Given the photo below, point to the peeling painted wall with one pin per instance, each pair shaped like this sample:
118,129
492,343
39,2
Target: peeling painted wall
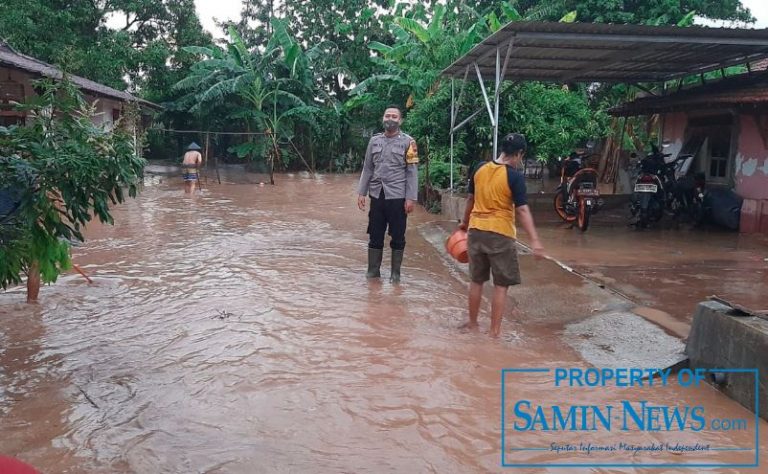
751,164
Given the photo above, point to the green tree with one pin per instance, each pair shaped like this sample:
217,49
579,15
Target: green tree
229,73
269,85
341,29
63,170
655,12
348,24
76,33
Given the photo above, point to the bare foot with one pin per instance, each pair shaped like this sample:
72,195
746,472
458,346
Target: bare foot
469,326
494,332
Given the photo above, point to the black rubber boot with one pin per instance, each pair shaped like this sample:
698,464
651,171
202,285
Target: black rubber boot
374,263
397,261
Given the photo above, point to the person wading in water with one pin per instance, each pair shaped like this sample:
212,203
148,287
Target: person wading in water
496,201
390,177
191,167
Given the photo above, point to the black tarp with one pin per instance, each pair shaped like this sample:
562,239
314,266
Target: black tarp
723,207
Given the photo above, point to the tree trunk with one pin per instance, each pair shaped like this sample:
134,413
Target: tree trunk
312,152
273,155
33,283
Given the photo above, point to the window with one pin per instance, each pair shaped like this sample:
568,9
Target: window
713,135
115,115
10,92
8,120
719,142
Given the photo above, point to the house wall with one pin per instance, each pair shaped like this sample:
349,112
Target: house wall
14,77
751,173
104,106
17,76
674,131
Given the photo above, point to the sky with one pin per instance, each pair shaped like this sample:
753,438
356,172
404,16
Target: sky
222,10
759,10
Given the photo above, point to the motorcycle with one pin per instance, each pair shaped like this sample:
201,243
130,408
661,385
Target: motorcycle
665,186
649,196
686,193
577,197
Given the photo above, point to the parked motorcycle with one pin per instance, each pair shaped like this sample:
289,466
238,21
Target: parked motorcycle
666,186
649,196
577,197
686,196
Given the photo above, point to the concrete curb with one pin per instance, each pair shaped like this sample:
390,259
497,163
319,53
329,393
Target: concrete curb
720,340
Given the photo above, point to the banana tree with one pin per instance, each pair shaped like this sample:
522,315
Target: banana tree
233,71
419,53
266,83
423,49
294,101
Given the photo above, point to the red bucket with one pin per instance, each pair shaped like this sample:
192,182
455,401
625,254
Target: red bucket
456,245
14,466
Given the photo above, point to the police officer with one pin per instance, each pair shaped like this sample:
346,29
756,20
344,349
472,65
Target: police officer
390,177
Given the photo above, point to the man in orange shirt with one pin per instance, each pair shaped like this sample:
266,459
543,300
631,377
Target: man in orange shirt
497,201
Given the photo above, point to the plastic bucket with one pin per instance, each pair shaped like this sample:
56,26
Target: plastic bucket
14,466
456,245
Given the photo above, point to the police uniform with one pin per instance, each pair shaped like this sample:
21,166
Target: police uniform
390,177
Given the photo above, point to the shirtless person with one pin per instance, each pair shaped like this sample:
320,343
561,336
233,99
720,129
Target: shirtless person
190,167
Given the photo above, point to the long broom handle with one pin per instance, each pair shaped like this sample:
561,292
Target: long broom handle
80,271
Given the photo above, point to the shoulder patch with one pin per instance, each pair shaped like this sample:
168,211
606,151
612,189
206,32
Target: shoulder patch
412,155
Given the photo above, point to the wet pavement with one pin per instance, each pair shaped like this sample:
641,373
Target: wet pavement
234,331
667,270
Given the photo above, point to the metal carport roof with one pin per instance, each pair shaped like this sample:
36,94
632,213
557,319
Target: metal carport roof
595,52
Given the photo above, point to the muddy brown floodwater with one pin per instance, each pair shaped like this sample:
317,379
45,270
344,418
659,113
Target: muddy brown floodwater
235,332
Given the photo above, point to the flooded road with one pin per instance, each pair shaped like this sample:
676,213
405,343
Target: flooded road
234,331
669,268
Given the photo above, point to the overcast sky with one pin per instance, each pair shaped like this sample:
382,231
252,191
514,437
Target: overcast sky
222,10
207,10
759,10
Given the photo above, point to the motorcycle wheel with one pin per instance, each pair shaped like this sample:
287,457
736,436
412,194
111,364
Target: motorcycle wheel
560,208
584,215
656,216
655,211
697,212
642,220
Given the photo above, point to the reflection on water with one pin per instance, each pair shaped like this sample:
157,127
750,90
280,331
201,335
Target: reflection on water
234,332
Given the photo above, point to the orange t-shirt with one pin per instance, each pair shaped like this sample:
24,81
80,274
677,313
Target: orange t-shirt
497,189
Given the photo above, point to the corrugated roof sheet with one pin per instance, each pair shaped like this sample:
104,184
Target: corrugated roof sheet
11,58
738,92
595,52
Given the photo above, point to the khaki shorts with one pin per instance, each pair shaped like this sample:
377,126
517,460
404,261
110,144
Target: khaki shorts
494,253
